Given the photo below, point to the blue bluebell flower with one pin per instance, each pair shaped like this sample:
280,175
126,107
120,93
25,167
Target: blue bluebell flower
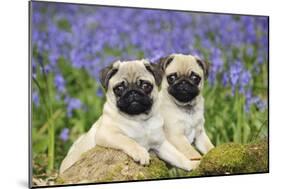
234,71
99,92
245,78
225,79
59,83
35,98
64,134
93,38
72,104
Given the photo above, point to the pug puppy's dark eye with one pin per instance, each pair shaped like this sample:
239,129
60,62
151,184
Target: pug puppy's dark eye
195,78
172,78
146,86
119,89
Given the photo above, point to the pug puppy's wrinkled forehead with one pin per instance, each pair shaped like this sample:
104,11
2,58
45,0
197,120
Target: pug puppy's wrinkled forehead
129,71
132,72
184,65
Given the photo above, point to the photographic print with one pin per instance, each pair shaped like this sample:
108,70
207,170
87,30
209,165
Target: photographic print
120,94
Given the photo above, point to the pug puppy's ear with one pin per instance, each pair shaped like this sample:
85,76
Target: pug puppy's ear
107,73
204,65
164,62
156,71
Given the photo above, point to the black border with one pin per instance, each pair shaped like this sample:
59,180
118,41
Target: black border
30,173
118,6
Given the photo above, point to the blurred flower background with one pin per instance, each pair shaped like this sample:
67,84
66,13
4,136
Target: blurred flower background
71,43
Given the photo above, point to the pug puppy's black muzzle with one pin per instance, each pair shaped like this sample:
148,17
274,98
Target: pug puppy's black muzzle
183,90
134,101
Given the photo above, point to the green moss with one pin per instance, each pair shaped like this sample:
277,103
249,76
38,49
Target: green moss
257,156
225,159
140,176
157,168
234,158
59,181
113,173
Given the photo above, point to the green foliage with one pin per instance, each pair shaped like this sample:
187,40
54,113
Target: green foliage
226,119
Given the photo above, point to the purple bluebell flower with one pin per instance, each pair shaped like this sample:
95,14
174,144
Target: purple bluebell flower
72,104
53,57
234,73
150,32
217,65
245,78
64,134
225,79
48,68
34,66
260,59
248,100
254,100
92,38
260,104
35,98
250,51
158,54
59,83
99,92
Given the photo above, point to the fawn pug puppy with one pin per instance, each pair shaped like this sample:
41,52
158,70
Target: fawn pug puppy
131,120
182,105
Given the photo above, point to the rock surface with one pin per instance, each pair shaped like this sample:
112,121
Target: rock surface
105,165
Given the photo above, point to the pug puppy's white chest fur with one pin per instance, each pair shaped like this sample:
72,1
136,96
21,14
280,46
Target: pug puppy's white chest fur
192,122
148,133
187,121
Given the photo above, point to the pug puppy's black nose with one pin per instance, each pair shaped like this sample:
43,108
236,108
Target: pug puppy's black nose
133,96
183,85
183,82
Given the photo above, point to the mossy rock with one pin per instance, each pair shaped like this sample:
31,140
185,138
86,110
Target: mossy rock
105,165
234,158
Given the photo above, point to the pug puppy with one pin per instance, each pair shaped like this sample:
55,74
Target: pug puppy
182,104
131,120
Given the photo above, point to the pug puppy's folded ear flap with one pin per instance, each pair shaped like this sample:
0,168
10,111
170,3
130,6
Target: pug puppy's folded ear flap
204,65
107,73
164,62
156,71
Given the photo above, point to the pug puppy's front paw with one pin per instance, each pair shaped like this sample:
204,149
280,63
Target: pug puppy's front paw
194,164
193,155
191,165
140,154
